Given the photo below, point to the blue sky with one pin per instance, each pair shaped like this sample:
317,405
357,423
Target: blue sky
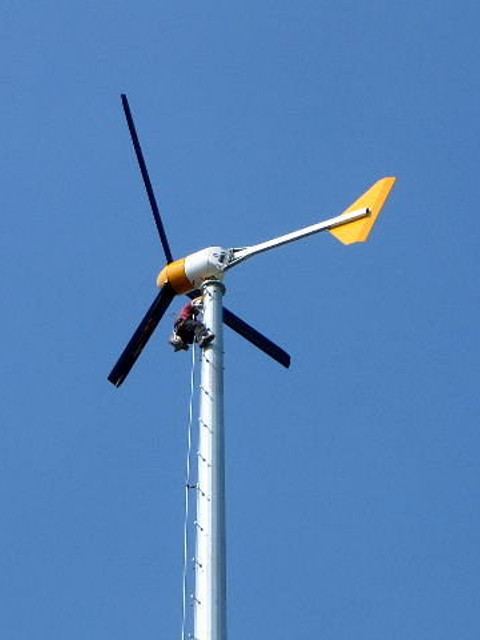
353,499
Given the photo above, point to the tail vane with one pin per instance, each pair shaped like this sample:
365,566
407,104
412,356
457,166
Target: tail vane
374,199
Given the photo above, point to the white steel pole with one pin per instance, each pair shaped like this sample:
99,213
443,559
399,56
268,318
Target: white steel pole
210,620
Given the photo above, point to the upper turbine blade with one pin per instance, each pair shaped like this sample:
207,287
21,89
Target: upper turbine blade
146,179
141,336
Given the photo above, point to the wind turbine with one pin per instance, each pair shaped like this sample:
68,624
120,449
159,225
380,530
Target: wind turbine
203,272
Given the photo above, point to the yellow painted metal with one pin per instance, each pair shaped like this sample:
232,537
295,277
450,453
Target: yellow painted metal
174,274
374,199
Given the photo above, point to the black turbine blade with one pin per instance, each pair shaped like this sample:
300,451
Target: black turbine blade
146,179
251,334
141,336
256,338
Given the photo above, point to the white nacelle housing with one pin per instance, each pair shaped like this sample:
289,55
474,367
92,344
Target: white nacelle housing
205,264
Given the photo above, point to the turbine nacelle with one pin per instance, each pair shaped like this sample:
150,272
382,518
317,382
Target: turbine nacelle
190,273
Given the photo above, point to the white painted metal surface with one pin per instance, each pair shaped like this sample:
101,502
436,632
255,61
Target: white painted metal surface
207,263
210,619
238,255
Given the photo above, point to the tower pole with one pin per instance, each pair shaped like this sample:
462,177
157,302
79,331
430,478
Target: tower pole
210,620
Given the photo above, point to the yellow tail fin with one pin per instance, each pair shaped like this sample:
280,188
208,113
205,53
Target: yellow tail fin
374,199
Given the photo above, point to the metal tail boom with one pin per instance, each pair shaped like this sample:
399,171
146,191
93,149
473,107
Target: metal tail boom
239,255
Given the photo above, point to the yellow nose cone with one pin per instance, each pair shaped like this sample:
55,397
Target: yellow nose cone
174,274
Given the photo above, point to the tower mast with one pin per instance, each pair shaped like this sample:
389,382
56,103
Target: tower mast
210,619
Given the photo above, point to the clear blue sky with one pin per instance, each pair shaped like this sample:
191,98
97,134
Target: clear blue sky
353,481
